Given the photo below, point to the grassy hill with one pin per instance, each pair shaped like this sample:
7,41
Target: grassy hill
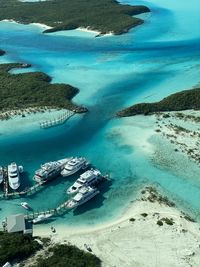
104,15
188,99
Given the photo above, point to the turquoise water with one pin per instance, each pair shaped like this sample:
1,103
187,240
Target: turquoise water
156,59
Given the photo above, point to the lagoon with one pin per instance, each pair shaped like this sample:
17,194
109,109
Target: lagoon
112,72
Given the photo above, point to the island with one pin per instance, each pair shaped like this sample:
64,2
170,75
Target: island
184,100
33,91
104,16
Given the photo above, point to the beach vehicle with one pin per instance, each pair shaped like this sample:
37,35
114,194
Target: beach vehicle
74,165
88,178
84,195
25,205
14,175
42,218
50,170
1,174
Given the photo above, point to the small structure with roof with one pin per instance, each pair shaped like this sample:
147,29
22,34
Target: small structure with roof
18,224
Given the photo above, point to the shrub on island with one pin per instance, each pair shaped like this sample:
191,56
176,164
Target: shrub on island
68,255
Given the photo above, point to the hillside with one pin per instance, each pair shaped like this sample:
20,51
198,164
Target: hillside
188,99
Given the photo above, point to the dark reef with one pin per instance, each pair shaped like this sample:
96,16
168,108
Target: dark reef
188,99
2,52
104,16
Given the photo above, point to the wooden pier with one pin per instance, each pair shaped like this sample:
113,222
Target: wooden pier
28,191
61,209
57,121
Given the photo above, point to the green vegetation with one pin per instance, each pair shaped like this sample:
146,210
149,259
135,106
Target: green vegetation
104,16
70,256
160,223
144,214
32,90
189,99
16,247
168,221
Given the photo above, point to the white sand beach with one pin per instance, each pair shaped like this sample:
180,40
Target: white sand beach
88,30
140,241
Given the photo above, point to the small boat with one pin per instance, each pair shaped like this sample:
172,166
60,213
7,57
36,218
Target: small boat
14,175
84,195
42,217
25,205
74,165
88,178
1,174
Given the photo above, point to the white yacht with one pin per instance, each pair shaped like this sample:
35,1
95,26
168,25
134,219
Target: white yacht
50,170
74,165
1,174
42,217
84,195
14,175
88,178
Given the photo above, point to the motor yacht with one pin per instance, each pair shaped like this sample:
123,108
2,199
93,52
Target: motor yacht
74,165
50,170
14,175
84,195
88,178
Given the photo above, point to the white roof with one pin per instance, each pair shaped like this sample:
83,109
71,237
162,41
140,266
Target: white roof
15,223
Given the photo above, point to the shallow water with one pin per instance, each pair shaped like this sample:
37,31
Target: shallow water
150,62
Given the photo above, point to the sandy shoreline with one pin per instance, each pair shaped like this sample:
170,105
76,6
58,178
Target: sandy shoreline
139,241
46,27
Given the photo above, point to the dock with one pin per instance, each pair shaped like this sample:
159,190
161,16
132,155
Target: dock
57,121
59,210
31,190
28,191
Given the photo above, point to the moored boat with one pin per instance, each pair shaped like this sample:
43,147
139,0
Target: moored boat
84,195
14,175
88,178
50,170
74,165
42,217
1,174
